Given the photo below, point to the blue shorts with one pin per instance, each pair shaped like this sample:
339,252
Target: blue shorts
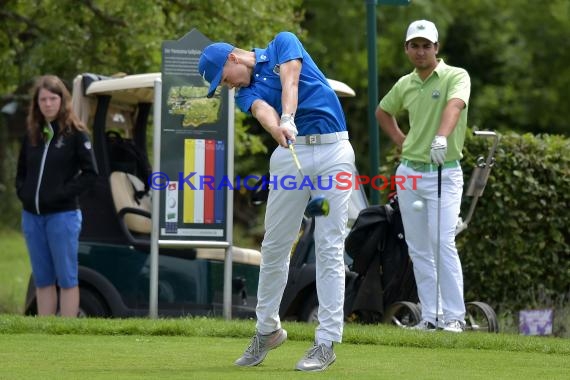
53,241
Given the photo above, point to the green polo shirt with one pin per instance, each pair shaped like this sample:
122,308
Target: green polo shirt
425,101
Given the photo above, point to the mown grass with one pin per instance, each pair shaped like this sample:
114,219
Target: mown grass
14,271
385,335
201,348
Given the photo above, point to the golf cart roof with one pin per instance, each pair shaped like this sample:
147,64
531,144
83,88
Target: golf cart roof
140,87
342,89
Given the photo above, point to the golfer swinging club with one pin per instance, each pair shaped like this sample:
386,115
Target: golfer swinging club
282,87
436,97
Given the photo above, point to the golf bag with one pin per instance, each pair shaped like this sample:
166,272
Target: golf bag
377,245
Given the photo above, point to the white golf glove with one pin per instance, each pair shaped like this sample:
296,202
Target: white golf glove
288,122
438,150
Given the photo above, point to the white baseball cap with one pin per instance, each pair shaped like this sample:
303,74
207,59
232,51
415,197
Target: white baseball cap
422,28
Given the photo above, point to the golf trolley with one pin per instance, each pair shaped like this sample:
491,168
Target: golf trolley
384,288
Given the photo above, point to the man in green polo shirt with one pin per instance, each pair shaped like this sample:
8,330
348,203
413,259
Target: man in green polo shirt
436,97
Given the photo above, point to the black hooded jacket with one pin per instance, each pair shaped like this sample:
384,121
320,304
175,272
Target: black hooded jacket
52,174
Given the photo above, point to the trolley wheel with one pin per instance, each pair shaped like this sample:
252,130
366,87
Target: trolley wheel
403,314
480,317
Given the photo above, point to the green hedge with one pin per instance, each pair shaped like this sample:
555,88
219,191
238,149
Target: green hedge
516,251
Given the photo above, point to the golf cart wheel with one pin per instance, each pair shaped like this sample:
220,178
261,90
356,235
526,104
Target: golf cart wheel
91,304
480,317
403,314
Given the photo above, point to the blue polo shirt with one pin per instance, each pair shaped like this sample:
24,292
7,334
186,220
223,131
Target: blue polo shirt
318,110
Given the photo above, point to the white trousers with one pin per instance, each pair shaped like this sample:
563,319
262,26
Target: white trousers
420,227
283,217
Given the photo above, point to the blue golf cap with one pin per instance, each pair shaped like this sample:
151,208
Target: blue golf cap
211,64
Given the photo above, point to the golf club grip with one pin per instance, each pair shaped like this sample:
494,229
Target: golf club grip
294,154
439,181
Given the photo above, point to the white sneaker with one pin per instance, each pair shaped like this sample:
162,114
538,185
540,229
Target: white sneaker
454,326
318,358
259,346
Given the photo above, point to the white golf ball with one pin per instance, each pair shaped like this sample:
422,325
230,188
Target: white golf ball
418,205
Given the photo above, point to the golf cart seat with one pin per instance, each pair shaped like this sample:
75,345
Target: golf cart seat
132,204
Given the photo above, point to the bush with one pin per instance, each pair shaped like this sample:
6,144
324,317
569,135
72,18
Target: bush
519,242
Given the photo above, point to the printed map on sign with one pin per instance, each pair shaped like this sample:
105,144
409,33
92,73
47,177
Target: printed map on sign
192,103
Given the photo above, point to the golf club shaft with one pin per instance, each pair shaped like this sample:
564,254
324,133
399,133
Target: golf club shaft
295,158
437,251
318,206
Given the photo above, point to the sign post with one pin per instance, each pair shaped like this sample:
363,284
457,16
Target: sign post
193,161
373,86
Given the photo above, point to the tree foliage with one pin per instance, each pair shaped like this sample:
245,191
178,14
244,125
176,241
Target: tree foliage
67,37
516,52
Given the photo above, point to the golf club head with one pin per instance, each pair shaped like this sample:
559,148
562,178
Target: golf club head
318,206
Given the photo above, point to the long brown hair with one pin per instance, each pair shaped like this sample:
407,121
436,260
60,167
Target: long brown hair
66,119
